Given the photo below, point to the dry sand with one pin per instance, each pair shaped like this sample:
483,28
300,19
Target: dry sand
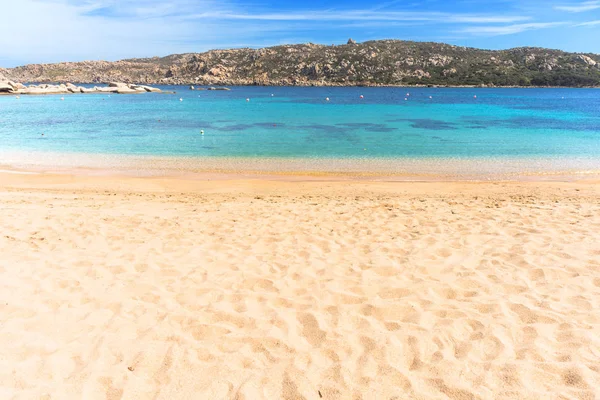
123,288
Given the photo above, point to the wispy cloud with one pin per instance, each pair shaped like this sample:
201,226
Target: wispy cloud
146,9
579,7
509,29
59,30
364,15
589,23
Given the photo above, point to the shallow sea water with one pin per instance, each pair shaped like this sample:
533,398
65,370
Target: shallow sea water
399,129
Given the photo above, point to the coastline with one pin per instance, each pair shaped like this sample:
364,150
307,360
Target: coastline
249,185
186,85
392,169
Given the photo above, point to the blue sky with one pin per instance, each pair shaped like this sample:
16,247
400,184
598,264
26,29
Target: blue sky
35,31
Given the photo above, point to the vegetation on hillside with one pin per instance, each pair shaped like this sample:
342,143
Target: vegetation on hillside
385,62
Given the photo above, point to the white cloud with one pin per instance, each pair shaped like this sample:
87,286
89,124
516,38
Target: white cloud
589,23
359,15
509,29
59,30
579,7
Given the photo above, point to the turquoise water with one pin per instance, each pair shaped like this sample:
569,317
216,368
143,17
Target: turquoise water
300,123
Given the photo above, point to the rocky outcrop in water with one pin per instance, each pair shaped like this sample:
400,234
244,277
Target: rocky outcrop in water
14,88
374,63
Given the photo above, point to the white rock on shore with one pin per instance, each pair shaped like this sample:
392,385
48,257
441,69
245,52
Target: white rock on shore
5,87
9,87
127,90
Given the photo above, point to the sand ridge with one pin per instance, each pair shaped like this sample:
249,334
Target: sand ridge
125,288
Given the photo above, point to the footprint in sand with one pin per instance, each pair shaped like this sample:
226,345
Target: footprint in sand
414,354
572,377
112,392
310,329
537,274
206,332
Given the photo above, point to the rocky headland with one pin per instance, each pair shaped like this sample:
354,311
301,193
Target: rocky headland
374,63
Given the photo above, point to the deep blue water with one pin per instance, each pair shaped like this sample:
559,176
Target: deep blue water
299,122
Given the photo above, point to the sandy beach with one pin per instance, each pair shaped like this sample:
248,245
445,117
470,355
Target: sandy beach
173,288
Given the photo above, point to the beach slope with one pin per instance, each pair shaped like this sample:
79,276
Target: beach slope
246,289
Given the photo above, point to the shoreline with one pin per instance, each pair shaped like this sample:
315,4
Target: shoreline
294,168
251,188
299,186
220,84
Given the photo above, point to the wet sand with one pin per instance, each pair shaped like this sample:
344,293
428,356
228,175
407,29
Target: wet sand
172,288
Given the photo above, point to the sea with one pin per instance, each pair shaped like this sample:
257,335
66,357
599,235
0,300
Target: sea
394,131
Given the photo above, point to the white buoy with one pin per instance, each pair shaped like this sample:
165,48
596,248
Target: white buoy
475,96
247,99
18,97
431,97
202,132
180,99
362,97
272,95
327,99
406,99
407,94
62,98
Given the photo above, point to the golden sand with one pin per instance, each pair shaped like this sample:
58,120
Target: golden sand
123,288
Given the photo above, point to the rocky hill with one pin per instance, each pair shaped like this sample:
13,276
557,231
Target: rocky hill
374,63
